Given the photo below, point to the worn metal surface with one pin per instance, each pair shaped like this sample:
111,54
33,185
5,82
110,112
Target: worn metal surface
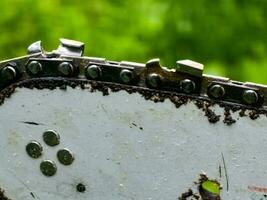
127,147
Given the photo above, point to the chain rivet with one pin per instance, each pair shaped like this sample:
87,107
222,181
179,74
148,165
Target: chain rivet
187,86
153,80
9,73
93,72
126,75
35,68
216,91
66,69
48,168
250,97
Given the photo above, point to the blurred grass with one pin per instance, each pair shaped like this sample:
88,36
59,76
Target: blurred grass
228,36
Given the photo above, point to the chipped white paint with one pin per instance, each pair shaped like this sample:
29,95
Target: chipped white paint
126,147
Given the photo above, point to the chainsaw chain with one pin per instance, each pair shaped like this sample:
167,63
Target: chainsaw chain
188,78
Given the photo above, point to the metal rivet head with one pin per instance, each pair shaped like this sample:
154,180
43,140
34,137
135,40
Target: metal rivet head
66,69
216,91
153,80
126,75
9,73
34,68
51,138
48,168
93,72
34,149
250,96
187,86
65,157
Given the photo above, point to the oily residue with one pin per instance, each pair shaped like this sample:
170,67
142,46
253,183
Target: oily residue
209,113
187,194
242,113
212,117
156,96
2,195
254,115
228,119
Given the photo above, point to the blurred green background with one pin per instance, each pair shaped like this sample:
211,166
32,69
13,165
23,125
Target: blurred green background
228,36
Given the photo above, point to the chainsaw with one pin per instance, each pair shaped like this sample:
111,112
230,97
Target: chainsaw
77,127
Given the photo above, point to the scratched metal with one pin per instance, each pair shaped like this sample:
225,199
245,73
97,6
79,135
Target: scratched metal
126,148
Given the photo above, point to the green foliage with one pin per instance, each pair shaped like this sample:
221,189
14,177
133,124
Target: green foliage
228,36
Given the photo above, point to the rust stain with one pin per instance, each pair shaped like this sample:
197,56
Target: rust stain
258,189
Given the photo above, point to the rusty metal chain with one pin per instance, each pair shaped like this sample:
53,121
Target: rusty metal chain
188,78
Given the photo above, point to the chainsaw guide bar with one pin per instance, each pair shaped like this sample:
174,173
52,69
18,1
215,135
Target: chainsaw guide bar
77,127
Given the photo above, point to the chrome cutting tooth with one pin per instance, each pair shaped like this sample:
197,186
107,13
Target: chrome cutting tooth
190,67
153,63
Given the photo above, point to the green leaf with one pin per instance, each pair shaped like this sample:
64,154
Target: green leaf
211,186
